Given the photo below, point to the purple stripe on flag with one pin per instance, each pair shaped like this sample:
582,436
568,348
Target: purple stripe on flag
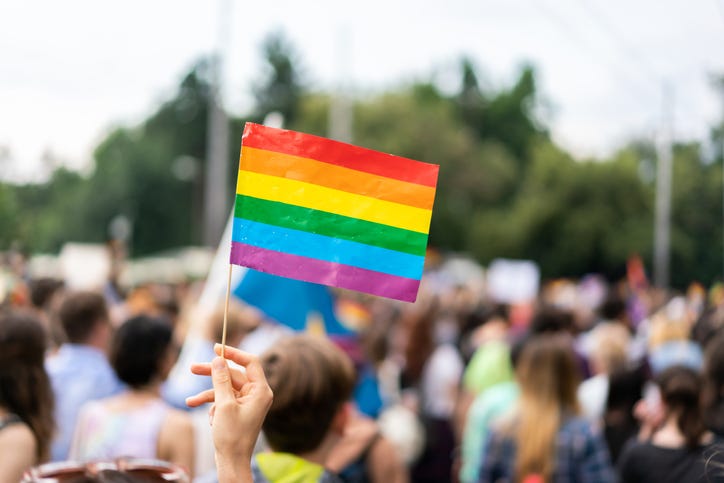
326,273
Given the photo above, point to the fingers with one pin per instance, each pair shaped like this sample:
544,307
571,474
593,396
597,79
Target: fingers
221,378
254,370
212,412
201,398
238,378
233,354
201,368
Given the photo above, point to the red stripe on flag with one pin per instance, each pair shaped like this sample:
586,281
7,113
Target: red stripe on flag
340,154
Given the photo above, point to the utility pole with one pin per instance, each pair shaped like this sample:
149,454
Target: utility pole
718,82
217,139
340,104
662,232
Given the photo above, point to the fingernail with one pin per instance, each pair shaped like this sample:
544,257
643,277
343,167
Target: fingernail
218,363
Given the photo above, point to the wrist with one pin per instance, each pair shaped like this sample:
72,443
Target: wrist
233,469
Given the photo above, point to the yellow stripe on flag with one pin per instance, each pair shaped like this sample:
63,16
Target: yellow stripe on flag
317,197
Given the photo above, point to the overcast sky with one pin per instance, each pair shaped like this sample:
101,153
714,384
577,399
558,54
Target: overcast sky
71,70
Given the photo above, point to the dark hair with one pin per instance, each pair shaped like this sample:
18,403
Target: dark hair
79,314
613,307
138,349
625,388
516,349
483,314
420,343
311,379
25,389
42,291
680,390
713,384
549,319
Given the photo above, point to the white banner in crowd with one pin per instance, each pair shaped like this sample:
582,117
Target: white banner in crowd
85,266
513,281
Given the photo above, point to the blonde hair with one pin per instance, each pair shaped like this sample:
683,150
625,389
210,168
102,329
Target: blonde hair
670,323
548,376
610,344
665,330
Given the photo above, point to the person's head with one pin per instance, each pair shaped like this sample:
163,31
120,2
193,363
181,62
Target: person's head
142,351
46,295
483,314
485,323
613,307
547,371
713,390
84,317
609,348
240,321
548,376
551,319
43,292
680,393
664,330
312,381
25,389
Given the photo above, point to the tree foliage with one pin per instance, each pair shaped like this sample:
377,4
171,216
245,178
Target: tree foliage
505,188
280,87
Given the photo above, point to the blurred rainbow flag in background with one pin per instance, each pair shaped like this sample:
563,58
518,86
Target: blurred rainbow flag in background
327,212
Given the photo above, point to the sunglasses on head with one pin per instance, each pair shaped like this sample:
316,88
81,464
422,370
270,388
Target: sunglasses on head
121,470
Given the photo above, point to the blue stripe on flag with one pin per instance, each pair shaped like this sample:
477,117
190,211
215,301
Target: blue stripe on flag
326,248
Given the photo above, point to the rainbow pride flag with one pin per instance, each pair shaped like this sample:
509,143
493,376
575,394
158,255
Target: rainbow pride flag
327,212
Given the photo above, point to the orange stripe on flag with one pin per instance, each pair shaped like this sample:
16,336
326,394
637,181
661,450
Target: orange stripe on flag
336,177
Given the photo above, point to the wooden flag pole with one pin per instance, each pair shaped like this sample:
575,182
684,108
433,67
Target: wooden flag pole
226,312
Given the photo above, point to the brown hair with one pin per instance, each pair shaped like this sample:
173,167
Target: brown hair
239,322
42,291
79,314
680,390
25,389
311,379
548,376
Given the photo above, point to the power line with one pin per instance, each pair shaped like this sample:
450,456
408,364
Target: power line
626,47
613,68
628,50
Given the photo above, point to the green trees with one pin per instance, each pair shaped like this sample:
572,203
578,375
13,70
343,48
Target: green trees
505,189
280,88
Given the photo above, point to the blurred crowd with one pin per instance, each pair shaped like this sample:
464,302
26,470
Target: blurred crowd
586,381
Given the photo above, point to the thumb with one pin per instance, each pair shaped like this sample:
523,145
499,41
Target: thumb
221,378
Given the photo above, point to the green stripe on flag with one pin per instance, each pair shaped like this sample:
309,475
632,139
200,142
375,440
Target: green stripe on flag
330,224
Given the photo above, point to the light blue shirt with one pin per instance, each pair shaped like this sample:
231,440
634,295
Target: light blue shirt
78,373
181,383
